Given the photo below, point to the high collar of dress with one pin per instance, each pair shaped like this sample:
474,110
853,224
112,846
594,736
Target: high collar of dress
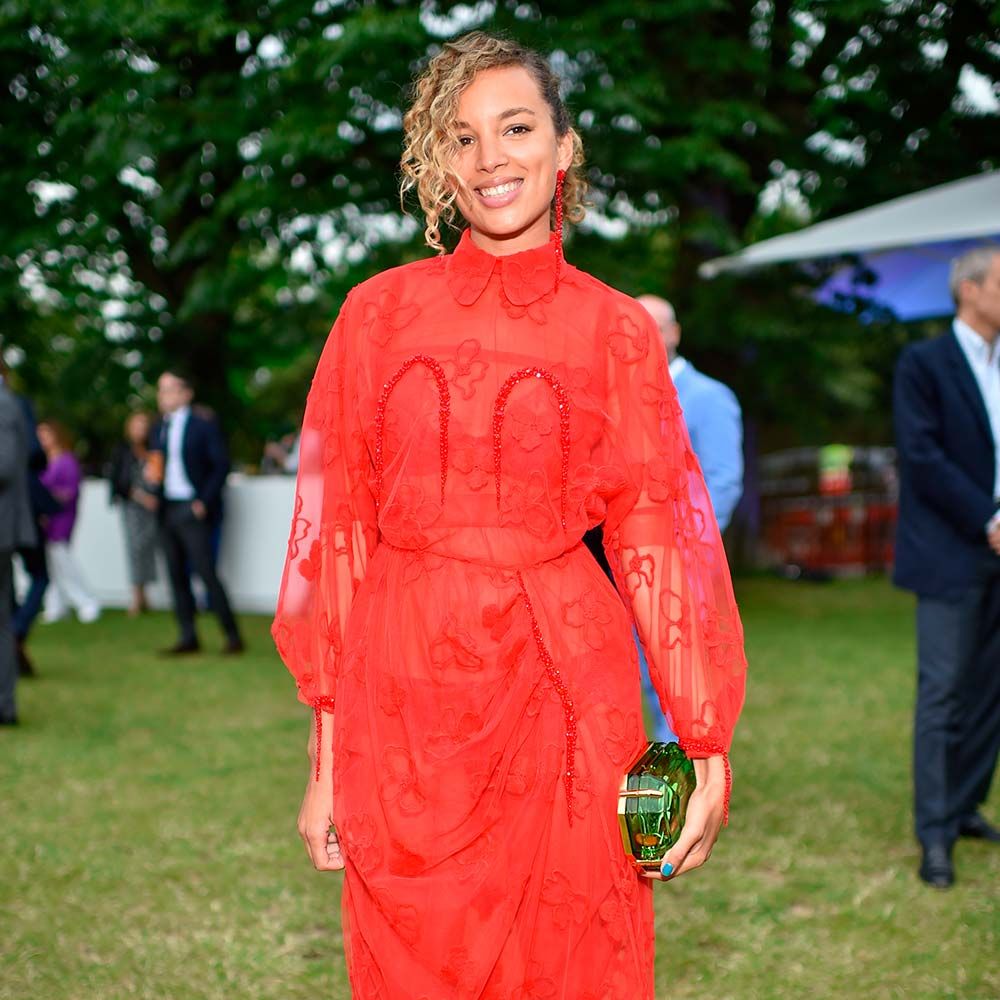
525,277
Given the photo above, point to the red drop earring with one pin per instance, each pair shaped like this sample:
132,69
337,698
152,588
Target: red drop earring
560,177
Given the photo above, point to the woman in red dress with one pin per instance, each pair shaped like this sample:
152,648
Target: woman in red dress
472,672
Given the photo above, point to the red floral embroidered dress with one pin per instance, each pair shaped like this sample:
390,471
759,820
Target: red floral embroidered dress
470,418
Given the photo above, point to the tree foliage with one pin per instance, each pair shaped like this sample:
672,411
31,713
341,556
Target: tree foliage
204,182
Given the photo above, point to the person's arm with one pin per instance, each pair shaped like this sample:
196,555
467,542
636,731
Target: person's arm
720,451
666,552
334,531
118,477
155,466
11,433
36,455
935,477
210,491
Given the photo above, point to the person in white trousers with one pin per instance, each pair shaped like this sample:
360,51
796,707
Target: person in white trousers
67,586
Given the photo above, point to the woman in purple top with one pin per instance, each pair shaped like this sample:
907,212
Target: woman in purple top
62,476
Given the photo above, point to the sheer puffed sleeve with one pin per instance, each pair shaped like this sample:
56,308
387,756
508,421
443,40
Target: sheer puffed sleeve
333,525
664,547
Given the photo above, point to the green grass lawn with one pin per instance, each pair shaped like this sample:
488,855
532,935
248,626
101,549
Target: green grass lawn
148,845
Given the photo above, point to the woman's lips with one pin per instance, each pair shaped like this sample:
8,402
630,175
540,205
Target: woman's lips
500,193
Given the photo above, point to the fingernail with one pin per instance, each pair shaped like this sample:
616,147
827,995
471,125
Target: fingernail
667,869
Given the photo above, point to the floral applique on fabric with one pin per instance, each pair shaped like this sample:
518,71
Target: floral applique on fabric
466,368
386,316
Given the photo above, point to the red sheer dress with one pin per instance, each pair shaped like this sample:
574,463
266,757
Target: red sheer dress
470,418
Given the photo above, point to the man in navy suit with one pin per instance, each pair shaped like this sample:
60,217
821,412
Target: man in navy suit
32,555
715,425
947,413
195,465
17,528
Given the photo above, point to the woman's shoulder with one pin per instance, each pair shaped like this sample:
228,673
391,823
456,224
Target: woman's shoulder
417,275
64,465
602,294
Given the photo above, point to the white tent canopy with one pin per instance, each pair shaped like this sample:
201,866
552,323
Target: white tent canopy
961,210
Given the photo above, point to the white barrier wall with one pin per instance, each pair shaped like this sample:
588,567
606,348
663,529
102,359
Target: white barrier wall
258,513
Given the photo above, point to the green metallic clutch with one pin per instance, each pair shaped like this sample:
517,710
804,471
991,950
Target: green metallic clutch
652,803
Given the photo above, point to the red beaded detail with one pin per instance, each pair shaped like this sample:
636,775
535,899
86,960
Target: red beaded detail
706,748
444,412
322,704
560,177
560,685
293,535
562,399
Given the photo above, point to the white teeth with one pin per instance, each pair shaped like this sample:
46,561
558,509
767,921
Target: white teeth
500,189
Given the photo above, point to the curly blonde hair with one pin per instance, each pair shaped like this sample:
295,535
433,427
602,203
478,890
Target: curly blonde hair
430,140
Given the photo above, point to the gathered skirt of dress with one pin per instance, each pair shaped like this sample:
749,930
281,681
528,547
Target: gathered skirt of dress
474,868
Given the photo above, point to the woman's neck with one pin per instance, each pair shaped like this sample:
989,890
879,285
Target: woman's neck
534,236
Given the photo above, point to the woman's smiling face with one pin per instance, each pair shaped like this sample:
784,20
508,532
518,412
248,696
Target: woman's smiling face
508,157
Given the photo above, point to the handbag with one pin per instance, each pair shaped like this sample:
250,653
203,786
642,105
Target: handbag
652,803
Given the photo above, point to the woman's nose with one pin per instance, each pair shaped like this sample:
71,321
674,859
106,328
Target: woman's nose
491,156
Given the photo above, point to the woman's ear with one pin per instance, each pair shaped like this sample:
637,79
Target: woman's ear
564,151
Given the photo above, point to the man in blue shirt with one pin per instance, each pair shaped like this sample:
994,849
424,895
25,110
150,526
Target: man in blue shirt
715,425
711,412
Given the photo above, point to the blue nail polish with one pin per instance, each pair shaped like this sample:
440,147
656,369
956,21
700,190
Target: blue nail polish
667,869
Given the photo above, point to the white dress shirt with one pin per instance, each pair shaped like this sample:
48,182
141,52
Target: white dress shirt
176,484
984,360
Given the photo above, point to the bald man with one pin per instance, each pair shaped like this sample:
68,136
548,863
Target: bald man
712,415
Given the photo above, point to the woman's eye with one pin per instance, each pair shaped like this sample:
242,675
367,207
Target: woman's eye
518,129
465,140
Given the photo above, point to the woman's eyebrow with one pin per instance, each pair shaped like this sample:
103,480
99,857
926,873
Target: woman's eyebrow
509,113
514,112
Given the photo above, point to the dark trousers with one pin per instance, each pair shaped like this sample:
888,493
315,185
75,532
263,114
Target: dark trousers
187,542
957,721
33,559
8,659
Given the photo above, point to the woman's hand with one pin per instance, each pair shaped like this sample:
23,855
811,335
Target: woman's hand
316,815
994,539
705,812
316,826
145,499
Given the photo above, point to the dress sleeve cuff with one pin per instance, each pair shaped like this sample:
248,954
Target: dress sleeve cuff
706,748
322,704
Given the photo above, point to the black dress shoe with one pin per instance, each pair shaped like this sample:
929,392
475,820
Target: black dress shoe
8,720
935,868
25,668
181,649
977,827
233,647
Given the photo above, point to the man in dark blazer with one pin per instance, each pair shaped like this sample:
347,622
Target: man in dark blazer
947,412
32,555
43,504
17,528
195,465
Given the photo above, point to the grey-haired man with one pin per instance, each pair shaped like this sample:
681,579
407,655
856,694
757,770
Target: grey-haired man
947,413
